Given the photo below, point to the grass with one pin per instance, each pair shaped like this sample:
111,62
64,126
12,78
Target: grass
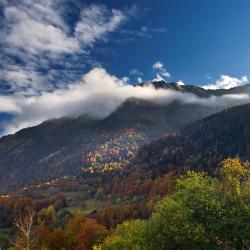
88,206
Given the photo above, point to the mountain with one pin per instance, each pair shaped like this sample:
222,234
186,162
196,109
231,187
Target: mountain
118,177
63,146
151,173
201,146
199,91
69,146
192,89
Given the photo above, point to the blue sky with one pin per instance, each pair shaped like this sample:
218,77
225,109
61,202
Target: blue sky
49,46
203,40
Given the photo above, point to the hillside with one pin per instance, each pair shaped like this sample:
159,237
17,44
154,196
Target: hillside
202,145
117,184
150,173
62,146
206,142
69,146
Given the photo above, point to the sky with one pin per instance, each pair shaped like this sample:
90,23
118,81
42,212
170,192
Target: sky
51,49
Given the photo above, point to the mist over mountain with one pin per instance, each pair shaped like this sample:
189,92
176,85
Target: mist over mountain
98,94
200,146
62,146
124,125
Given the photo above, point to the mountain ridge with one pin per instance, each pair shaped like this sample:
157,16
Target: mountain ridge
62,146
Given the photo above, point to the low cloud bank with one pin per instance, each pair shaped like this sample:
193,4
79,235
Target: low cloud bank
97,94
227,82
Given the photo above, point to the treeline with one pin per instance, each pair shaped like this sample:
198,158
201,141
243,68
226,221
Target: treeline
204,212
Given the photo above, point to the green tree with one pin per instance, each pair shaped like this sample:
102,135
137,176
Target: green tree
203,213
132,235
235,193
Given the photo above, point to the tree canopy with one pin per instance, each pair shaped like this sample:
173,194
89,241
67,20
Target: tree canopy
204,213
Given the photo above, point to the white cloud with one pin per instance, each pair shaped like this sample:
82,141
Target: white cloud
136,75
181,83
35,38
158,78
8,104
19,78
139,80
160,71
125,79
143,32
227,82
35,28
95,22
135,72
97,94
158,65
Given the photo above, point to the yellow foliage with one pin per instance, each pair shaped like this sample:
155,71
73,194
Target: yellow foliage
234,174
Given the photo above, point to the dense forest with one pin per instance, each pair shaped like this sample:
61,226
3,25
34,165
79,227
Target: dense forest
176,192
62,147
203,212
